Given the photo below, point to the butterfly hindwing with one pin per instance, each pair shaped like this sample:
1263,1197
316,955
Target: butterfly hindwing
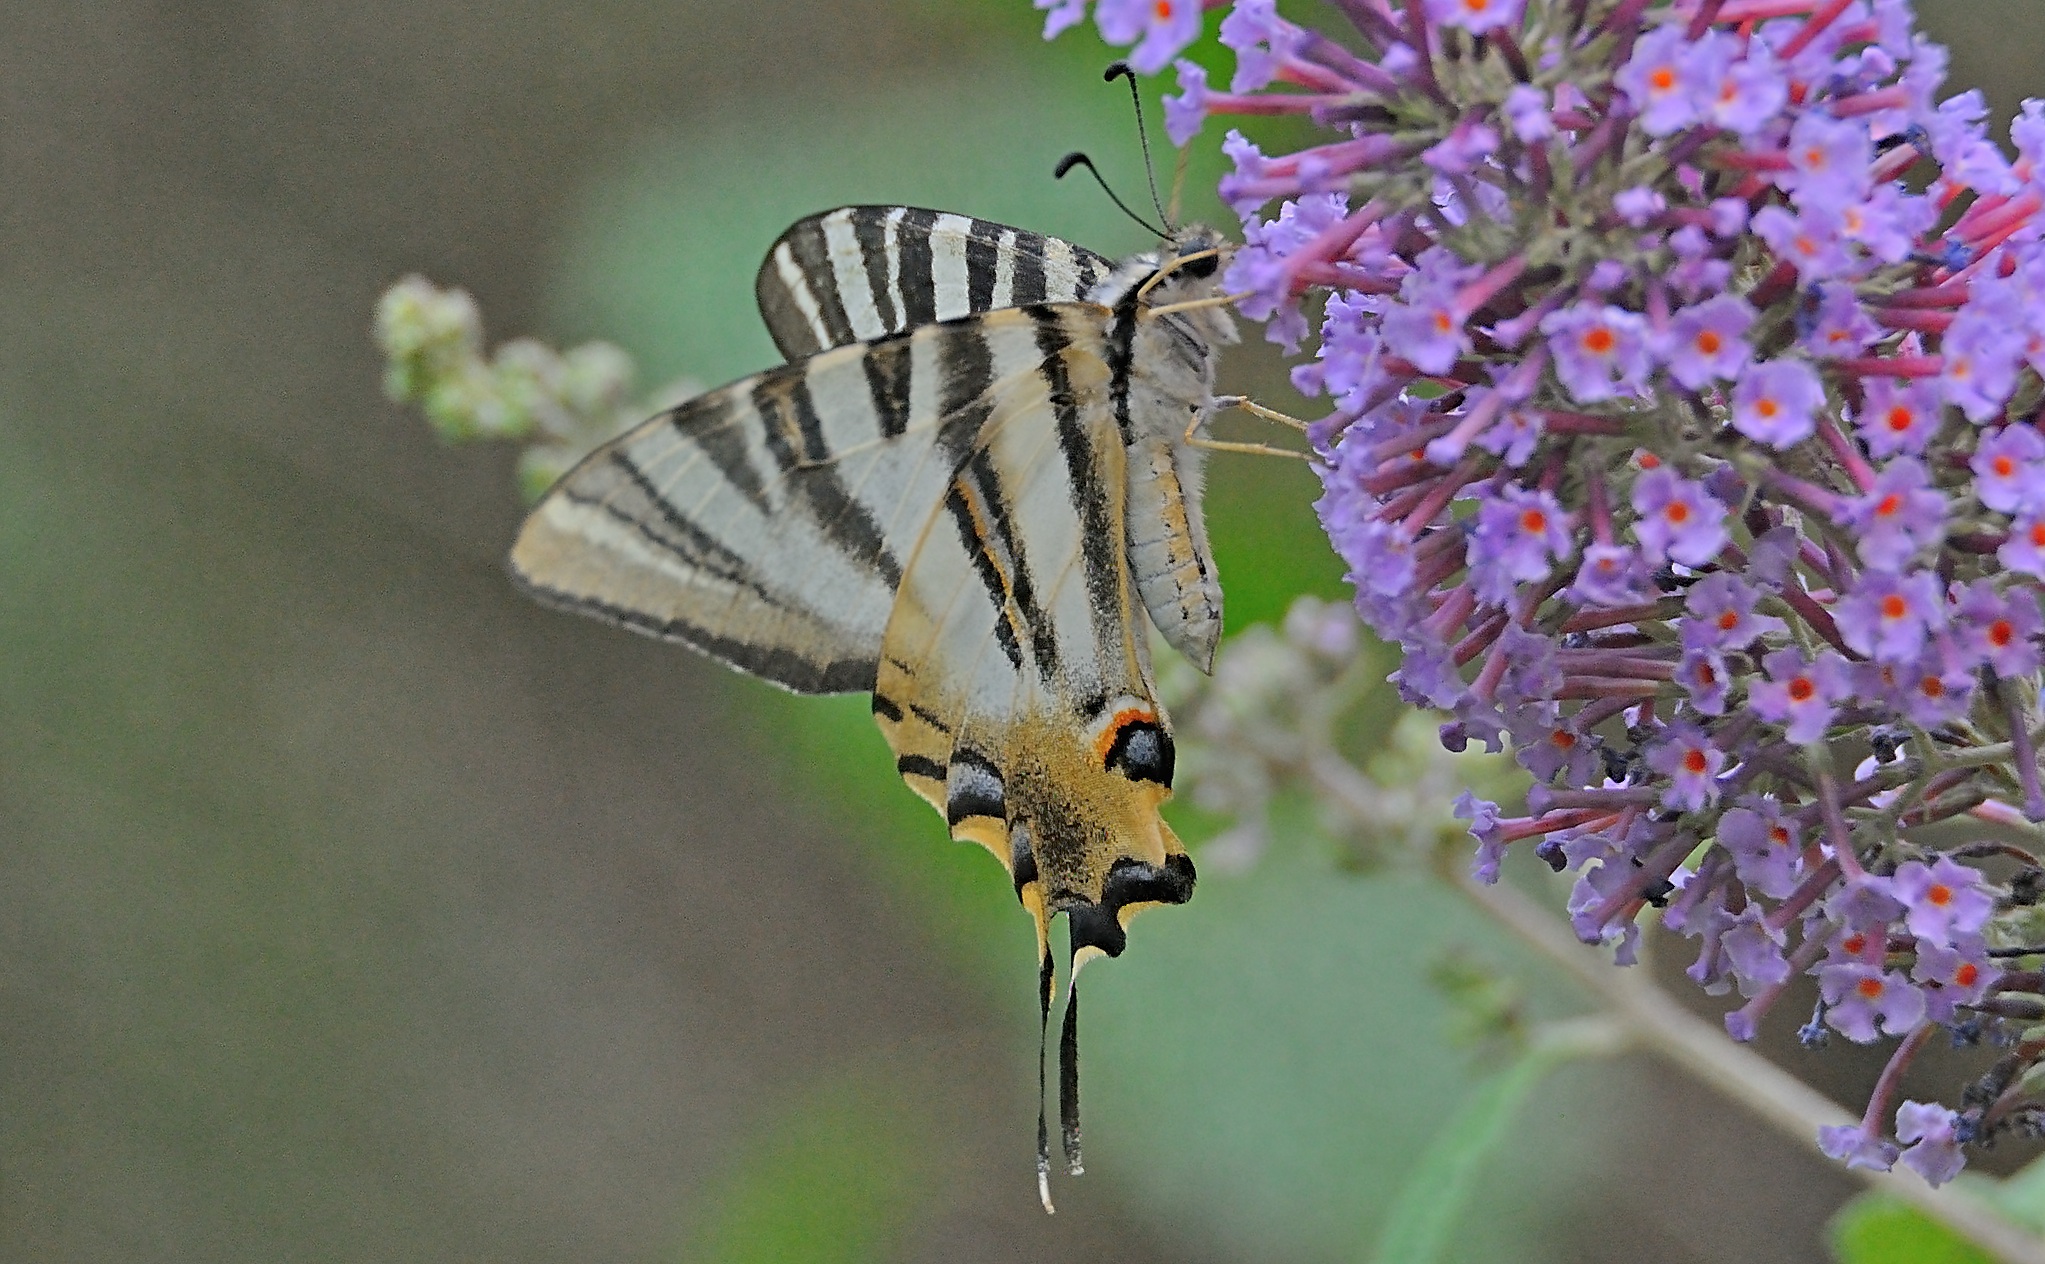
1013,678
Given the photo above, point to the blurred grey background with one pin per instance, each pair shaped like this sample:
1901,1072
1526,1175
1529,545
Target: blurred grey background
352,908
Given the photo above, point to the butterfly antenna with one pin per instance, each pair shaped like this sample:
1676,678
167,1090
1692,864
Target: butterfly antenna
1078,159
1068,1077
1120,70
1178,185
1044,981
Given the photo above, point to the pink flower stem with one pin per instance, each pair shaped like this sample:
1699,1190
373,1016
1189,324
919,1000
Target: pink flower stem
1879,1101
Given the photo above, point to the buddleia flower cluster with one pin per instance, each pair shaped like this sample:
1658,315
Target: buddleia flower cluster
1683,363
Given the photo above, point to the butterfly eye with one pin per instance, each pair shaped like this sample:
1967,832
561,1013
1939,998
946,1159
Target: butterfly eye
1142,751
1203,267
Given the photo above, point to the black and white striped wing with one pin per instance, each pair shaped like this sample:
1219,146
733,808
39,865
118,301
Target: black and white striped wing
767,523
865,272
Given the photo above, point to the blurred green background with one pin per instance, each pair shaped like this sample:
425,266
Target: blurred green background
352,908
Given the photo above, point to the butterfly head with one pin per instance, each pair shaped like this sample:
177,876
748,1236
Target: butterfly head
1183,275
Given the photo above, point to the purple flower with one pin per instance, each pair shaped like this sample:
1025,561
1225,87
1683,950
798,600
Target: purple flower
1855,1146
1425,325
1063,14
2000,629
1766,845
1687,758
2025,549
1164,28
1526,112
1719,610
1889,616
1600,351
1813,241
1678,519
1259,38
1898,516
1743,93
1662,82
1943,900
1898,418
1707,342
1864,1001
1486,826
1545,745
1934,690
1934,1147
1613,575
2009,470
1981,353
1703,674
1476,16
1774,402
1841,326
1798,694
1952,977
1638,205
1186,113
1520,536
1754,950
1828,161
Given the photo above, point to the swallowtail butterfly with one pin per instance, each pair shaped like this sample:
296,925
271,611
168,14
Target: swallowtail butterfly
964,493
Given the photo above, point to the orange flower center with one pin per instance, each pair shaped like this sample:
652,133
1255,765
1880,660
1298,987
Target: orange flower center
1802,690
1966,975
1677,512
1694,761
1900,419
1939,894
1894,607
1533,522
2000,633
1709,342
1729,620
1889,505
1869,988
1599,341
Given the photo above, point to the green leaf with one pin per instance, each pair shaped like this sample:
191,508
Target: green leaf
1876,1229
1434,1198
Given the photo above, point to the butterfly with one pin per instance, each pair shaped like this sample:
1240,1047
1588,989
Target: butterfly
970,486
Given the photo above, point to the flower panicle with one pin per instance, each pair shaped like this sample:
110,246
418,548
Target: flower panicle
1685,448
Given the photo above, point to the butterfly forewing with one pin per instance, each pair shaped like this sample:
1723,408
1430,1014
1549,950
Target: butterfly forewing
864,272
767,523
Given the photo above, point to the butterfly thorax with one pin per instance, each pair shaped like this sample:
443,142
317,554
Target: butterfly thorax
1163,369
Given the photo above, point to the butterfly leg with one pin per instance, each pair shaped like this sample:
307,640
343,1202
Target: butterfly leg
1247,449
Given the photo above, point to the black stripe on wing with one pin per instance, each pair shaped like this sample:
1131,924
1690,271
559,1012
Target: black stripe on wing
835,278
